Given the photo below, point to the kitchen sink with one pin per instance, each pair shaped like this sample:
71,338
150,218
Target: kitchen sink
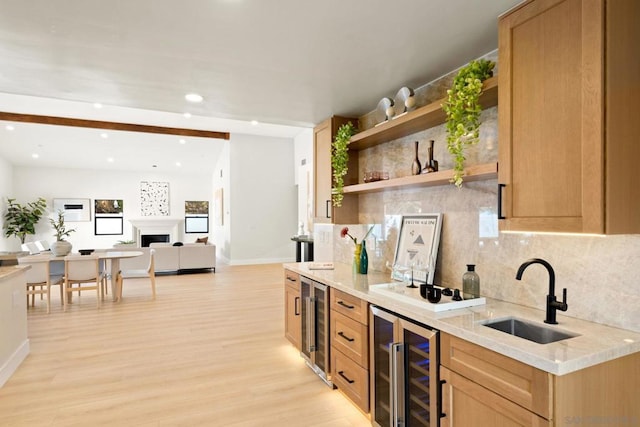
529,331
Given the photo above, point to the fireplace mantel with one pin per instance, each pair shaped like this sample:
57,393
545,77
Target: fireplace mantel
143,226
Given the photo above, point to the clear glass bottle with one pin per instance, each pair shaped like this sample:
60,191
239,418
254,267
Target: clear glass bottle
470,283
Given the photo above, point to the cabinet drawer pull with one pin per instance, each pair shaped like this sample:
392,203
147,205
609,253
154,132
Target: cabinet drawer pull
500,188
346,337
347,379
292,279
345,305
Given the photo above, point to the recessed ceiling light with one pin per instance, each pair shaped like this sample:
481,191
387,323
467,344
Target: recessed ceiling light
182,141
254,123
35,155
193,97
104,135
110,159
187,115
178,164
154,166
9,127
97,105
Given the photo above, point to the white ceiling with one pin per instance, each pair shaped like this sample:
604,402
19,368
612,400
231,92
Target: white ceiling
282,62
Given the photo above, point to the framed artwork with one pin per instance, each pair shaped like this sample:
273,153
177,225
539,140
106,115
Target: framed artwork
75,210
154,198
108,207
108,225
417,247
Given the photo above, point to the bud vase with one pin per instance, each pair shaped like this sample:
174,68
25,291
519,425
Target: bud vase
364,259
356,258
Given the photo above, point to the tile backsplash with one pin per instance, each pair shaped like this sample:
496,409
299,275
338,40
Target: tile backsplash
598,272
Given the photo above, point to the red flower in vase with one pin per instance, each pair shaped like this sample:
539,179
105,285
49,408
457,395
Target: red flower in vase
345,232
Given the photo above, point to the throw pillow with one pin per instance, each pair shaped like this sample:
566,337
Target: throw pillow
202,240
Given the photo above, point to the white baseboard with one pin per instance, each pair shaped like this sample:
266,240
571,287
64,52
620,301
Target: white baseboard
261,261
14,361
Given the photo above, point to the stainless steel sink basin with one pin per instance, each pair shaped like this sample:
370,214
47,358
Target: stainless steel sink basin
529,331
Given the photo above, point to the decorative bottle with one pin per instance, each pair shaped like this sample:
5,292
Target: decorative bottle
416,167
430,165
470,283
364,259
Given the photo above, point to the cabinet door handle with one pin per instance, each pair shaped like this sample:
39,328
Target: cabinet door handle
296,308
342,303
500,188
346,337
442,414
350,381
328,208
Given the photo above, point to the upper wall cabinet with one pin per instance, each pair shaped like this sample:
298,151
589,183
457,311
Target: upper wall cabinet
569,107
323,135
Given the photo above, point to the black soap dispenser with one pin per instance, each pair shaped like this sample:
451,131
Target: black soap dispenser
470,283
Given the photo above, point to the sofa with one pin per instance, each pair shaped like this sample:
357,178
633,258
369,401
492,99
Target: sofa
169,258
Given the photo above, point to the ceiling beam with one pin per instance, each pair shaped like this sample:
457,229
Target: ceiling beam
97,124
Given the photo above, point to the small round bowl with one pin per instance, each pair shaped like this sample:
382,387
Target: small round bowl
434,294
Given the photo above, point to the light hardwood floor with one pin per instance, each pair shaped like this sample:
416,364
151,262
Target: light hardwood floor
208,351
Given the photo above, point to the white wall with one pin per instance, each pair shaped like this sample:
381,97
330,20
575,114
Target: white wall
6,190
303,153
221,234
263,200
31,183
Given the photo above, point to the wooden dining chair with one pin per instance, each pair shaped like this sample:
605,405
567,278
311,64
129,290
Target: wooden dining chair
39,278
150,272
83,271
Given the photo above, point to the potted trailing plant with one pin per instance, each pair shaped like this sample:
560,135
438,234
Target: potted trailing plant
60,247
463,112
21,220
340,160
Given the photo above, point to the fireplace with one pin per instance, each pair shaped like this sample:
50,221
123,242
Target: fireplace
147,239
145,229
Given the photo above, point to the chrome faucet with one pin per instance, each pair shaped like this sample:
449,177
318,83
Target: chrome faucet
552,303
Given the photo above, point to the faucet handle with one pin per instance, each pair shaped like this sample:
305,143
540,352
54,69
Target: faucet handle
563,305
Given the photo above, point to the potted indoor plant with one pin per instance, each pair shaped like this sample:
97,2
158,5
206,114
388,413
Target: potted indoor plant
21,220
463,112
340,160
60,247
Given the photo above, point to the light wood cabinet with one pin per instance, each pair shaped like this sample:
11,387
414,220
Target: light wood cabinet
465,403
323,135
568,111
292,307
350,347
481,387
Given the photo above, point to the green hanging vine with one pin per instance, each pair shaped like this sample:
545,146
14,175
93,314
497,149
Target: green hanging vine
463,112
340,160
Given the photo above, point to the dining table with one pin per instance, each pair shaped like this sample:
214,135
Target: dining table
114,257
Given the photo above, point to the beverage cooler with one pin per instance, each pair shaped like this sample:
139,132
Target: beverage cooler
404,372
315,327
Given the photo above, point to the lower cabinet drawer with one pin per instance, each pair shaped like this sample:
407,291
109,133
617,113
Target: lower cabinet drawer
351,379
350,337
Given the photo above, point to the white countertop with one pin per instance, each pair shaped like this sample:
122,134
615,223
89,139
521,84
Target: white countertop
596,344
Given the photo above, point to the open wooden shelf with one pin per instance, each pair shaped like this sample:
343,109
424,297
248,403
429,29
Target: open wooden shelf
417,120
472,173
